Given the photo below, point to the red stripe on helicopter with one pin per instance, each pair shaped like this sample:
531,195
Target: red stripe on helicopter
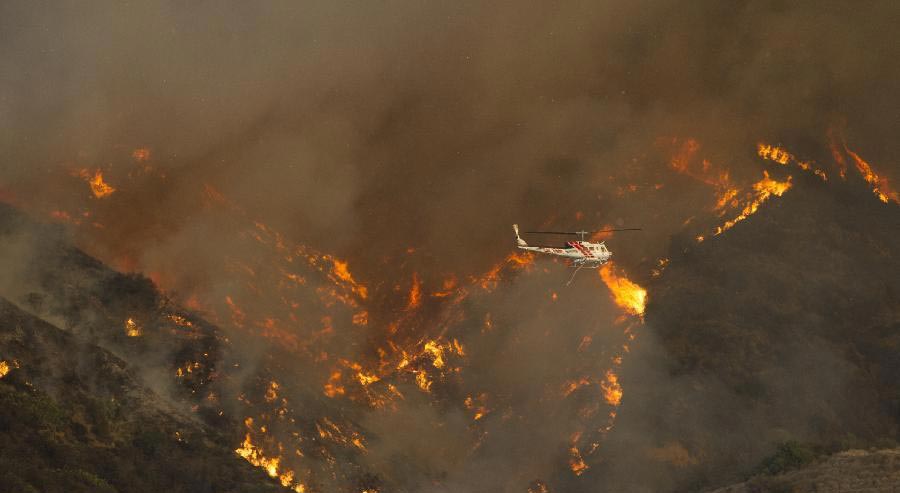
584,251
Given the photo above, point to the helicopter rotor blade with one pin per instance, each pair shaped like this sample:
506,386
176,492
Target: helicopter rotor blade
580,232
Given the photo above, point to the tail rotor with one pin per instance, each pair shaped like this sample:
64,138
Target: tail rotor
519,240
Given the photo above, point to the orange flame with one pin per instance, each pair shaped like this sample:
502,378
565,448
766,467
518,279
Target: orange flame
880,186
785,158
272,465
576,461
612,391
626,294
99,187
415,293
132,329
763,190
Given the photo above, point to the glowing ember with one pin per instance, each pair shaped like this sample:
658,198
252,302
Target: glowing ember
626,294
880,186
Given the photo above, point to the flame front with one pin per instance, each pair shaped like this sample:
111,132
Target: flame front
880,185
762,191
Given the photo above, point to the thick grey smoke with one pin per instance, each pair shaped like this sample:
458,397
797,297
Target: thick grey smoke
365,130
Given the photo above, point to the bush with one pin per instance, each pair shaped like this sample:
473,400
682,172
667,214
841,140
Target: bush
789,455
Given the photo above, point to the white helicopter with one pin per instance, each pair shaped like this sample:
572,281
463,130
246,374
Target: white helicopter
582,254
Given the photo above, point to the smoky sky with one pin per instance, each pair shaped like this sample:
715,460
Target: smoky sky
369,130
384,125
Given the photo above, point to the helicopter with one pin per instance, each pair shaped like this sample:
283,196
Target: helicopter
582,254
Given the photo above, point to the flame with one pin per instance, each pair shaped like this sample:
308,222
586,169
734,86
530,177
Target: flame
132,329
763,190
612,391
477,405
415,293
576,461
333,387
437,352
272,391
4,368
423,382
272,465
538,486
880,186
343,273
626,294
785,158
516,261
98,186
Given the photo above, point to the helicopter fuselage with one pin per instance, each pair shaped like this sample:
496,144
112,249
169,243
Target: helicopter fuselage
586,253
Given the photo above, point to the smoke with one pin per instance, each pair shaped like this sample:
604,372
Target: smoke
405,138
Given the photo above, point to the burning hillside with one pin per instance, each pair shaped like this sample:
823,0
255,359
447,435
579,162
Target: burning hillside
290,222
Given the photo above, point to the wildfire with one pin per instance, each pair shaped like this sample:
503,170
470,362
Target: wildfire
415,293
781,156
515,260
626,294
880,186
763,190
99,187
272,391
477,405
576,461
333,387
272,465
343,273
132,329
612,391
4,368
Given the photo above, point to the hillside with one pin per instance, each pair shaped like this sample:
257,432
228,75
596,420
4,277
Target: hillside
851,471
73,417
785,329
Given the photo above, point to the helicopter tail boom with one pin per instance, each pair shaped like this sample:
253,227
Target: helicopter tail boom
519,241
